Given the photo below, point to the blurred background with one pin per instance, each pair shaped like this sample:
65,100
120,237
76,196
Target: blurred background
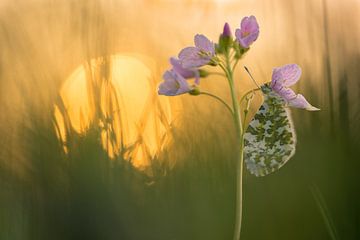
89,151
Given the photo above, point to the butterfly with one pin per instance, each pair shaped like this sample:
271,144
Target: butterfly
270,139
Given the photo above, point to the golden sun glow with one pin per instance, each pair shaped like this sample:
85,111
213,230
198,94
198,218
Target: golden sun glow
118,95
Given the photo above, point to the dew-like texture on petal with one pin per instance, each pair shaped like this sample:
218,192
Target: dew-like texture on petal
248,32
300,102
173,84
286,75
204,44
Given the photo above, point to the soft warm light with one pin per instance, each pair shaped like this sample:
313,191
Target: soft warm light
123,90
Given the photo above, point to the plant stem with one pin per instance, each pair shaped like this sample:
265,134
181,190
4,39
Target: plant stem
240,148
220,100
236,62
239,194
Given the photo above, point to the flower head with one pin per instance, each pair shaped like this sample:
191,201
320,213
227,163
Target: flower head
200,55
248,31
282,78
185,72
174,84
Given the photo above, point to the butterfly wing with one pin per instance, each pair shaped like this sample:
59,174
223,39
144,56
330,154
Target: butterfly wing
269,141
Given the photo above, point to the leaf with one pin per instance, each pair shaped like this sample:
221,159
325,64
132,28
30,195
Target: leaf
269,141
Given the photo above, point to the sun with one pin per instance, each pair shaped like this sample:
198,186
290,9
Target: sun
118,94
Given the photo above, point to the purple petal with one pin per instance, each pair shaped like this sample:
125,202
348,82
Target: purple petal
197,78
246,41
248,32
189,52
185,72
300,102
190,58
174,84
238,34
249,24
286,75
204,44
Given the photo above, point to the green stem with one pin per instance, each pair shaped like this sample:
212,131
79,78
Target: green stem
237,115
239,192
220,100
233,68
239,164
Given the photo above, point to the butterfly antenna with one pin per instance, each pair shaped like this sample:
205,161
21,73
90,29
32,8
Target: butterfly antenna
247,70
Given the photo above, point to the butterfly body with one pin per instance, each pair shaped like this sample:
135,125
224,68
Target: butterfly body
269,141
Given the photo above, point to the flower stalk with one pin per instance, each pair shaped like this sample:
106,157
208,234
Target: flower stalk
239,149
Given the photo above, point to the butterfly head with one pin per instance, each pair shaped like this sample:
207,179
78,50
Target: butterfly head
265,88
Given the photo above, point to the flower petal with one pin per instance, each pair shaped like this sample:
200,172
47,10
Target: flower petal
185,72
238,34
174,84
286,75
204,44
190,58
249,24
248,32
245,42
188,52
300,102
197,78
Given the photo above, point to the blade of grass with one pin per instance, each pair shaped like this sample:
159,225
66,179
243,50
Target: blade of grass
325,213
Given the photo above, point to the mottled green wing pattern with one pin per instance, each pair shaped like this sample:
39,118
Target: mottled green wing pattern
269,141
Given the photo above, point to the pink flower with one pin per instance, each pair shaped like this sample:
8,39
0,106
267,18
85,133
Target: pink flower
185,72
173,84
282,78
200,55
248,31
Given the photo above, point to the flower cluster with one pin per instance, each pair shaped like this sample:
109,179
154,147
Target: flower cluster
205,52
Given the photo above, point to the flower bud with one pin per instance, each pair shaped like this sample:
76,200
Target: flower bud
226,31
225,39
195,91
203,73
